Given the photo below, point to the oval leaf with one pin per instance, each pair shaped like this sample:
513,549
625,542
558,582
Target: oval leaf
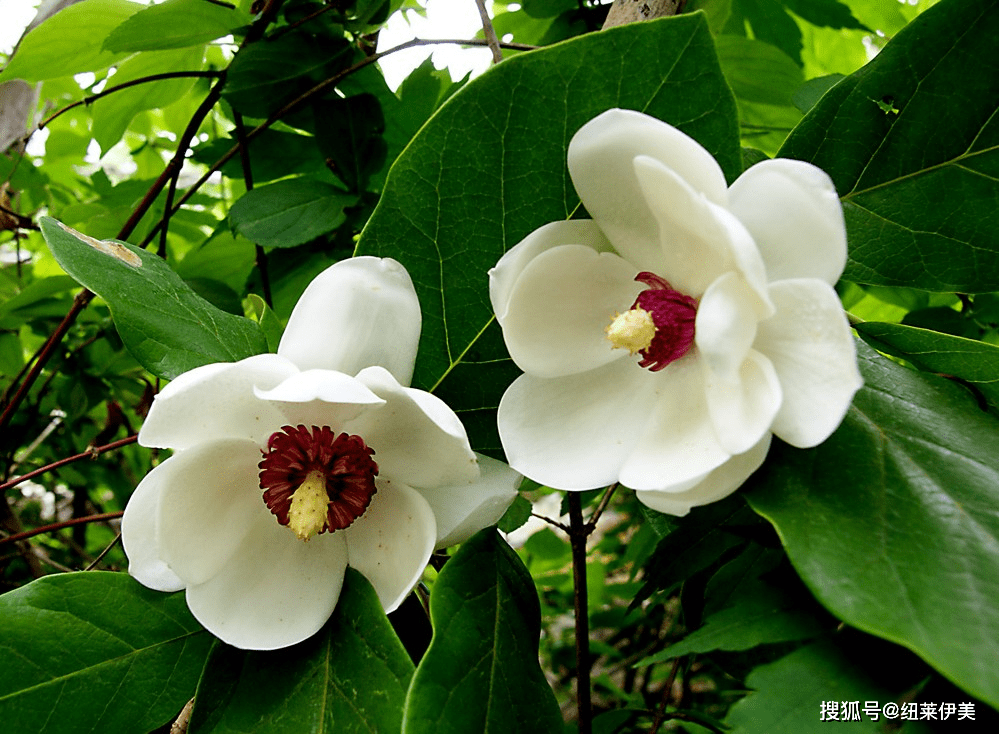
165,325
481,672
289,212
912,142
175,24
96,652
892,521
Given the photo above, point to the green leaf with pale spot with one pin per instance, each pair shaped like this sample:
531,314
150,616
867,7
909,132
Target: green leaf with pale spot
165,325
912,144
490,166
96,652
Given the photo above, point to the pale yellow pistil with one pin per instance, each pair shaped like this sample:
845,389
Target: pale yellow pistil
307,515
632,330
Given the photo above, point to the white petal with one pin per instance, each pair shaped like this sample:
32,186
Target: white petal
417,439
319,398
794,213
275,590
560,308
600,163
210,496
725,326
810,345
392,541
575,432
464,509
678,445
743,407
506,272
717,485
359,312
141,538
216,401
700,241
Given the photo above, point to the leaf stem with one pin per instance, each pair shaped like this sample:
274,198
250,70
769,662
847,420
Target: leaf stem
578,532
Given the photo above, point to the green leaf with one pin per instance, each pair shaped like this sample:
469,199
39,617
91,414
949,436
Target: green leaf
349,134
349,677
164,324
825,13
758,71
912,143
113,113
518,513
175,24
70,41
289,212
954,356
455,202
789,694
481,671
770,23
892,523
96,652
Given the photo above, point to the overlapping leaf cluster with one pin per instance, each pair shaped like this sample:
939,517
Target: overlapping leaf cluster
864,569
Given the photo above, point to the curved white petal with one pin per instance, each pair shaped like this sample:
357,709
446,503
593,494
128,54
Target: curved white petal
210,496
600,162
560,307
720,483
358,312
505,273
678,444
464,509
810,345
274,591
743,407
319,398
216,401
392,541
700,241
576,432
140,535
792,210
725,326
417,438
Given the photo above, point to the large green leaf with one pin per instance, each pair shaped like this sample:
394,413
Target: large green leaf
95,652
481,673
349,677
892,521
166,326
954,356
175,24
912,142
490,167
289,212
70,41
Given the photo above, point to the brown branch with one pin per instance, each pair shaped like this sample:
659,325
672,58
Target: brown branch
244,159
577,543
60,526
91,453
489,32
20,221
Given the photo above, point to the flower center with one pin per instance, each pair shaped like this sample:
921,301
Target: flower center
315,481
659,325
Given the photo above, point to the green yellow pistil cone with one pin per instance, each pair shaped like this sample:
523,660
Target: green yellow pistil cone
307,514
632,330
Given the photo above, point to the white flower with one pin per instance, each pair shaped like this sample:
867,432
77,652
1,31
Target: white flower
369,472
665,340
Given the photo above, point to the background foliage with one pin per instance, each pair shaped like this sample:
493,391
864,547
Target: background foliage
198,164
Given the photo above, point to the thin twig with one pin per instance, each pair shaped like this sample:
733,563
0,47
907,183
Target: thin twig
577,542
104,552
592,522
667,695
91,453
244,159
124,85
489,31
554,523
60,526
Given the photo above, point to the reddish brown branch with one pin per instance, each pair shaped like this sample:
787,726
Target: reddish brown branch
60,525
91,453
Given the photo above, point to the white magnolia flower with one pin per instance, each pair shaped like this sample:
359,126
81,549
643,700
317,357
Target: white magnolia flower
289,467
666,339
